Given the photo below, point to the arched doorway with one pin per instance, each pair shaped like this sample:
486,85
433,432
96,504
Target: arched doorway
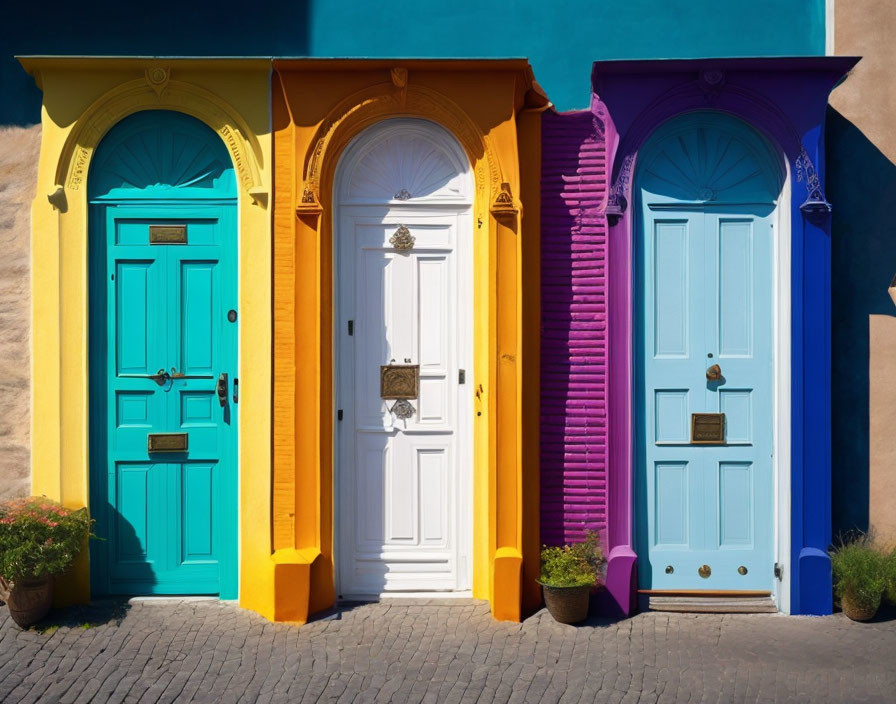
403,230
163,359
706,193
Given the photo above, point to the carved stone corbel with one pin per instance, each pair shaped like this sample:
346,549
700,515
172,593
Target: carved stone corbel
157,77
58,200
308,204
816,206
502,203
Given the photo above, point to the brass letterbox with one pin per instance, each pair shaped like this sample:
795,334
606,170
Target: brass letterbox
399,381
167,234
707,429
166,442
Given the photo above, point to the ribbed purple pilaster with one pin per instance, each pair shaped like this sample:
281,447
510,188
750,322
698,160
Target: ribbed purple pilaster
573,328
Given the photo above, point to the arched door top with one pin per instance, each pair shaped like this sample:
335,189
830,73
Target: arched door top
404,160
709,157
161,154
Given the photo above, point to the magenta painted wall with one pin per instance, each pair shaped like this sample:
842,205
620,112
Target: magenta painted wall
573,328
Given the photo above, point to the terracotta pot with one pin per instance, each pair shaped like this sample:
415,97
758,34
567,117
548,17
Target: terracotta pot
856,611
567,604
30,600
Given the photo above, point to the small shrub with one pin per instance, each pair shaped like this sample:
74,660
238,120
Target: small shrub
890,576
575,565
860,570
39,537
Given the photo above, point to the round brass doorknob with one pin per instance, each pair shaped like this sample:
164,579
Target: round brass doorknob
714,373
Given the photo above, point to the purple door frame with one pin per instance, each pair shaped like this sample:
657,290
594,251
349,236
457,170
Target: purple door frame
785,99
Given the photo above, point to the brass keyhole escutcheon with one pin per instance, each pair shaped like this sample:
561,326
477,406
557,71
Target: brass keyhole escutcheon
704,571
741,570
669,569
714,373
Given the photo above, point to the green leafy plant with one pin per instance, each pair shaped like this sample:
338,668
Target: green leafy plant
39,537
575,565
860,572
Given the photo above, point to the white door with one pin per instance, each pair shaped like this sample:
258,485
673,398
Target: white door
403,288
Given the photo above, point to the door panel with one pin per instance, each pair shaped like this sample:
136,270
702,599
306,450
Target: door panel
705,298
170,517
399,478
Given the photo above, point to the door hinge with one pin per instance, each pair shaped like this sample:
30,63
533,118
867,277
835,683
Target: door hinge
779,570
461,376
339,414
351,327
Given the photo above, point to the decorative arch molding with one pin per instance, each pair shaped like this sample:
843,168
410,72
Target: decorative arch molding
158,92
389,100
710,92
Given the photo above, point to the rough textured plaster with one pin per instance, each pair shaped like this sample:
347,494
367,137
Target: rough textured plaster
19,149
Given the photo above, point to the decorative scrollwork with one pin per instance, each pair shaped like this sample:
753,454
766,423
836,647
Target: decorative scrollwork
402,409
402,239
403,195
816,205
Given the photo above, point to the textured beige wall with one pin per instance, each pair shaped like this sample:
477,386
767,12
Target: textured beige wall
19,149
867,99
867,28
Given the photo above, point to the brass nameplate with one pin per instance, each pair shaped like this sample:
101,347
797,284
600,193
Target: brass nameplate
399,381
707,428
166,442
167,234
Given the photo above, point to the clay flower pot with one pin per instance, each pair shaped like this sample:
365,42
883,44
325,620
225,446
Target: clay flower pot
30,600
567,604
857,610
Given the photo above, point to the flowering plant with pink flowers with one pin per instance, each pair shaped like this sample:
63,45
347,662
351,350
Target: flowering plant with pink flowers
39,537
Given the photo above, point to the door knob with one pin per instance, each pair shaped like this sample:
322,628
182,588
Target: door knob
714,373
221,389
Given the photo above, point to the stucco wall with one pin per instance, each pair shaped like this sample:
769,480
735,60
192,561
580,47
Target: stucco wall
861,185
19,149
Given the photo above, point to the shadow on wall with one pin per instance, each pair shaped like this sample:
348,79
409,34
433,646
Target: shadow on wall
112,28
861,185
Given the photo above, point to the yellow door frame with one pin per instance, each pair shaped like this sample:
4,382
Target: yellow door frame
82,99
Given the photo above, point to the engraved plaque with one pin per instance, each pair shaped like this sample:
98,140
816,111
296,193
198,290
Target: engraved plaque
399,381
167,234
707,428
166,442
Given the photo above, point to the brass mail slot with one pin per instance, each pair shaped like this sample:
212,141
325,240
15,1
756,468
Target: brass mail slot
399,381
166,442
707,428
167,234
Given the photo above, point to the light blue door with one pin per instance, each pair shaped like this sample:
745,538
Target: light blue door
705,512
163,360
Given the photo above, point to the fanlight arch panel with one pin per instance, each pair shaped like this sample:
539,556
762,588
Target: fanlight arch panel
404,160
709,157
161,154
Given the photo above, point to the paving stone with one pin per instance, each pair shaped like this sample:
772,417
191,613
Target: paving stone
442,651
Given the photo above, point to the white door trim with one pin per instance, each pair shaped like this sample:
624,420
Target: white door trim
782,391
440,203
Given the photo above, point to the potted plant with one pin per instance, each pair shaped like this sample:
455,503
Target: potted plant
39,539
567,575
859,571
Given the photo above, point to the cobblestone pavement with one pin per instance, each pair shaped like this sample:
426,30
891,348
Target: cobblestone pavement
215,652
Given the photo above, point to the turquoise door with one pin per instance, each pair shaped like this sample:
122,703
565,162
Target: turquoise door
163,360
705,512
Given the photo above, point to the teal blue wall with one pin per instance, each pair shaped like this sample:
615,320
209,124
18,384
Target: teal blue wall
561,37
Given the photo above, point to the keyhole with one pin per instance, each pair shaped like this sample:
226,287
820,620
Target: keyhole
709,355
